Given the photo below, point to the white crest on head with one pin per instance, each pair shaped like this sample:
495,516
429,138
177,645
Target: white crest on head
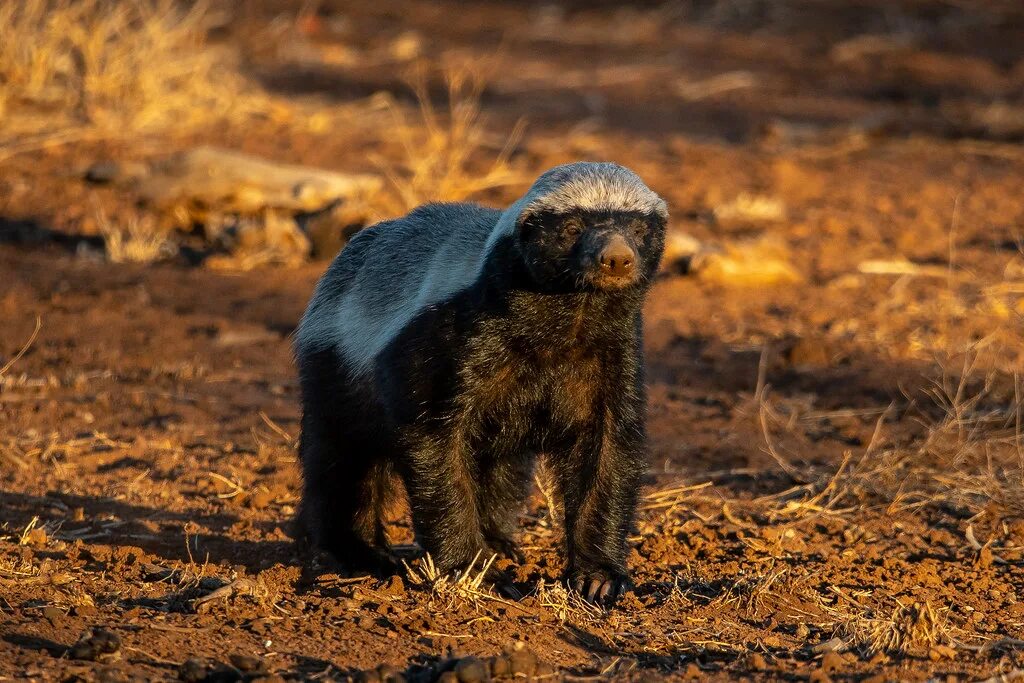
441,250
593,186
584,185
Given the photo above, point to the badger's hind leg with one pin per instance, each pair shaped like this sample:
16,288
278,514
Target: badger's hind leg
346,469
345,495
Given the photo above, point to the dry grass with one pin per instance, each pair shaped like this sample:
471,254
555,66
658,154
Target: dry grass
440,151
912,629
23,350
137,240
765,261
568,606
751,208
466,587
112,68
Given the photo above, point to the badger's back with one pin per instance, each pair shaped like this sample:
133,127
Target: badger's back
388,273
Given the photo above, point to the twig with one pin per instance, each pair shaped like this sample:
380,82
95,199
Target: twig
972,539
276,428
153,657
24,349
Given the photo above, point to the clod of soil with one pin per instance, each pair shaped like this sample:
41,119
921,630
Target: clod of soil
98,644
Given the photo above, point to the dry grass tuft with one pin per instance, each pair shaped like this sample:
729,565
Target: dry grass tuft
568,606
757,594
908,629
453,589
967,451
762,262
751,209
110,67
137,240
439,151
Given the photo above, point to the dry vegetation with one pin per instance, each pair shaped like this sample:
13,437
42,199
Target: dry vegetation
109,69
440,151
837,413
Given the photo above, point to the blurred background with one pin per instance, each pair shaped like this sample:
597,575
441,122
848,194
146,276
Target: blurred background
834,346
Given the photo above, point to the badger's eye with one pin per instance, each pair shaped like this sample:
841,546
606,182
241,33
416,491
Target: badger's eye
572,226
638,228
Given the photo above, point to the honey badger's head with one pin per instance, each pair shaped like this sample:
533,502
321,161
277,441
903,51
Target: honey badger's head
590,226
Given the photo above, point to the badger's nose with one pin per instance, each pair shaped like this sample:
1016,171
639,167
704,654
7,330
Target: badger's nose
617,258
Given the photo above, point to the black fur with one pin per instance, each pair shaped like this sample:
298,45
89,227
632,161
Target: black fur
540,355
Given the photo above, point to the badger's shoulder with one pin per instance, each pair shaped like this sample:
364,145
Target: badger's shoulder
389,272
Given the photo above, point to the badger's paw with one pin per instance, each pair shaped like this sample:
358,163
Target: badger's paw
598,586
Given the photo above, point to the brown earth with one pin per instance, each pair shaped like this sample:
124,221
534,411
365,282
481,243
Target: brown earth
836,460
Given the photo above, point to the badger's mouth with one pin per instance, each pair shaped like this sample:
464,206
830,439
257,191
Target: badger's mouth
599,279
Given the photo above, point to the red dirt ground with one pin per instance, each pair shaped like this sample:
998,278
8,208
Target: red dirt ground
836,461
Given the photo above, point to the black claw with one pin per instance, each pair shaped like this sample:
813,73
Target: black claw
598,587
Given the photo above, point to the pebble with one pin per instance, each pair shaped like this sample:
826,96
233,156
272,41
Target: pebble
246,663
471,670
521,661
939,652
193,670
831,662
500,667
99,643
544,670
390,674
51,613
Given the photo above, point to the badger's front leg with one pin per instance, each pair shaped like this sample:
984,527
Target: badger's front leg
443,496
600,481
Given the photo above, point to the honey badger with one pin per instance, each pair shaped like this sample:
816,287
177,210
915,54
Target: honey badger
452,346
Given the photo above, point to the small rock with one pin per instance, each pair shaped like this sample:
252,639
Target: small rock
544,670
107,675
246,663
939,652
757,662
393,585
83,651
99,643
500,667
522,662
390,674
831,662
51,613
106,641
260,499
471,670
193,670
36,538
831,645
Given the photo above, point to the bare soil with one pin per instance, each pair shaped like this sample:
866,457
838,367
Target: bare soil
836,460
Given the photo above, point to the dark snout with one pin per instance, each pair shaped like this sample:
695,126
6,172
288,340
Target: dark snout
615,262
